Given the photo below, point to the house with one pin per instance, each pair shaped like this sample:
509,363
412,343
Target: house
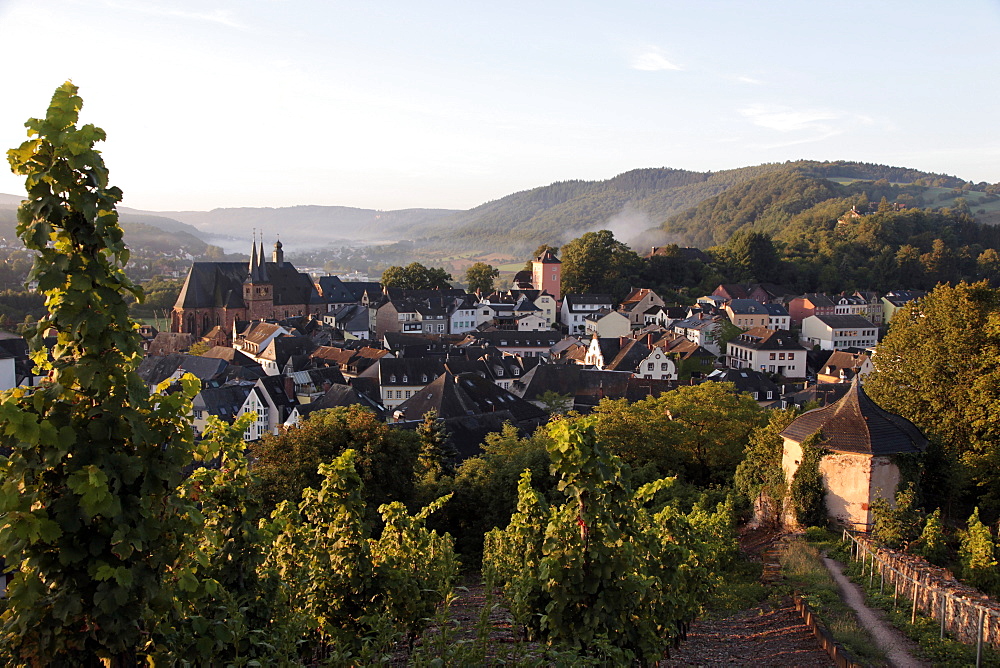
468,394
897,299
607,323
532,322
844,367
352,319
256,336
861,440
729,291
337,396
223,402
543,301
763,390
462,317
399,378
777,317
701,330
271,400
657,365
637,304
850,305
577,308
768,350
522,344
809,304
586,386
746,313
874,302
838,332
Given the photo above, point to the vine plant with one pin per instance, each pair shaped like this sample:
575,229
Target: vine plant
88,516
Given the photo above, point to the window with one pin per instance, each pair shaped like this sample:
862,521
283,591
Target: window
392,379
650,366
407,394
664,367
399,394
772,356
781,356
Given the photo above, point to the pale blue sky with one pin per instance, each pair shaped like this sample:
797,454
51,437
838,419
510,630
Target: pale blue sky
394,104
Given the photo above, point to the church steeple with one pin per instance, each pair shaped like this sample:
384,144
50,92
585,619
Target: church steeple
279,255
253,275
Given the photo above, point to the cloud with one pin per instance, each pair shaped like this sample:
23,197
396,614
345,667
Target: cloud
803,125
651,59
749,80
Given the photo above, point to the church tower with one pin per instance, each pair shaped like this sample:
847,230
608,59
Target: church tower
546,273
258,292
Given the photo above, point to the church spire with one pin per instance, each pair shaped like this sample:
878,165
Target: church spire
253,275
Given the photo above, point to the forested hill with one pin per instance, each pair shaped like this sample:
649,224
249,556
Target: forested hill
771,202
658,206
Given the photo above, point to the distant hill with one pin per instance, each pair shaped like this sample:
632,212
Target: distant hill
311,226
644,207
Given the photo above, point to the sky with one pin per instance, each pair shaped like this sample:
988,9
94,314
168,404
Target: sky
397,104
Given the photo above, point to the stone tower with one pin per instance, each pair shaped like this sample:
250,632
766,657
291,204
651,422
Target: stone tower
258,292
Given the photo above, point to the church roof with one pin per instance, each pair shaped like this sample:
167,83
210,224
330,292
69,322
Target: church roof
859,425
220,284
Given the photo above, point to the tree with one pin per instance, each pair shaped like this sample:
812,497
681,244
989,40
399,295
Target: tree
287,463
759,477
977,555
89,519
752,257
416,276
937,367
597,262
480,277
897,525
538,253
807,494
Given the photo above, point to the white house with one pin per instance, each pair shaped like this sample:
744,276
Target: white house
577,308
767,350
657,366
838,332
607,324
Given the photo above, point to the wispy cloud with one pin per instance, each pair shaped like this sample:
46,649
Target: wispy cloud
219,16
802,126
749,80
652,59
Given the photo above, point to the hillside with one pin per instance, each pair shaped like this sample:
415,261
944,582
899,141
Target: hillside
644,207
311,226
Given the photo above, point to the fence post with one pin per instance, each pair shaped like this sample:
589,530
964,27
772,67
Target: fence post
895,589
979,638
871,572
881,578
913,611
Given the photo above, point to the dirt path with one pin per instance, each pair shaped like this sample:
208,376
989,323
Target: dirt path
759,636
897,648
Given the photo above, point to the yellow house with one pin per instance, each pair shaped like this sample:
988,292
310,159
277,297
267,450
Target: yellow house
860,439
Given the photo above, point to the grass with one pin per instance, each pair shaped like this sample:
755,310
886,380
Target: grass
803,569
738,589
925,632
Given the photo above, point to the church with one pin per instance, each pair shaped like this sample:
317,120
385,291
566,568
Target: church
219,294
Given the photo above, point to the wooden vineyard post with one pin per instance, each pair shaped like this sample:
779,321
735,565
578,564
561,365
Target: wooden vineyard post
979,638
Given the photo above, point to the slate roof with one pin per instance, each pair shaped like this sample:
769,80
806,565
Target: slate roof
218,284
341,395
762,338
587,386
747,307
467,394
629,356
845,321
856,424
747,380
512,339
548,257
818,300
776,310
157,368
574,300
223,402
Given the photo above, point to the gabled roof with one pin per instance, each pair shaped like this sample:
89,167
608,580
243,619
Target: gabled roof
776,310
629,356
341,395
414,369
155,369
856,424
224,402
762,338
747,380
817,300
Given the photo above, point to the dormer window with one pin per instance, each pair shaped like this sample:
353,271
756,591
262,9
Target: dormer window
423,378
392,379
404,379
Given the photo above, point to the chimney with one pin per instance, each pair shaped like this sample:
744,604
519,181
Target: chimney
289,387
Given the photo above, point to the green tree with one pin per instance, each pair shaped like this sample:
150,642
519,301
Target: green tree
932,544
977,555
538,253
89,518
897,524
752,257
596,262
807,493
416,276
287,463
480,277
554,403
937,367
759,477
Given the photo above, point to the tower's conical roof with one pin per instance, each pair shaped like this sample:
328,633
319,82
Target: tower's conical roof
857,424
